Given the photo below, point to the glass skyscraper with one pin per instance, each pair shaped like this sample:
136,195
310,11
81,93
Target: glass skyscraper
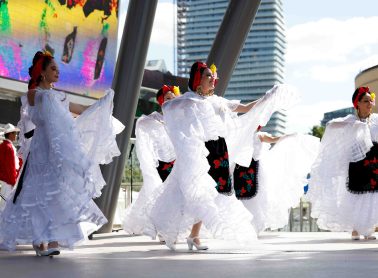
261,62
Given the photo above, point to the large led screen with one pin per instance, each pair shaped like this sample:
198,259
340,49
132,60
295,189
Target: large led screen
81,35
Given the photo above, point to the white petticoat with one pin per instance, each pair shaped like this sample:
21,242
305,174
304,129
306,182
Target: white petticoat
62,174
282,174
345,140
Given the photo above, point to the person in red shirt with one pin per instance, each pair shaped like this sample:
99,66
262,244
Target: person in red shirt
10,163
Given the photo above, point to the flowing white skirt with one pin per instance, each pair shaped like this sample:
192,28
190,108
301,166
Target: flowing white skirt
282,174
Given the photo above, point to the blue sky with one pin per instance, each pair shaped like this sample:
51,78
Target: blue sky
329,42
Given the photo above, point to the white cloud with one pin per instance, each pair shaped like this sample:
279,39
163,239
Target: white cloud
162,36
303,117
163,29
341,72
330,40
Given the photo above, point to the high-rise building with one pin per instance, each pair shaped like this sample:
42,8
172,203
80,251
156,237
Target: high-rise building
328,116
261,62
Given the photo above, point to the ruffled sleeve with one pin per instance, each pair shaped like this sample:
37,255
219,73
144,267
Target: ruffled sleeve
239,141
25,125
98,129
148,131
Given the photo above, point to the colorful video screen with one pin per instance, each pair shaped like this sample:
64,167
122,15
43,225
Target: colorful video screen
81,35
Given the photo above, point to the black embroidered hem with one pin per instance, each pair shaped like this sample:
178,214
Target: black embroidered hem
241,177
219,165
363,174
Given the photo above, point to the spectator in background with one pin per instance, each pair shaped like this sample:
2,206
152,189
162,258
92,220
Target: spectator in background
10,163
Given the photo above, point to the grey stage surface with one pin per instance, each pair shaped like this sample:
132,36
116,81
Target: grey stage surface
277,254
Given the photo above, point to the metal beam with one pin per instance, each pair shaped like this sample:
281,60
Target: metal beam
126,84
230,39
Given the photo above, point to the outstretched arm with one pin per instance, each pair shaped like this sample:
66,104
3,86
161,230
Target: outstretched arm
77,108
244,108
267,138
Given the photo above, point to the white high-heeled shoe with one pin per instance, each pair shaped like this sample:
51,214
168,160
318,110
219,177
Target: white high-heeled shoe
39,252
161,239
191,243
170,245
355,237
53,251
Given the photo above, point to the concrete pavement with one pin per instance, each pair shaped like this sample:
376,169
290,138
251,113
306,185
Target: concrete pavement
277,254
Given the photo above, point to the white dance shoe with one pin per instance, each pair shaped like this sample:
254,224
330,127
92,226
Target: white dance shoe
191,243
39,252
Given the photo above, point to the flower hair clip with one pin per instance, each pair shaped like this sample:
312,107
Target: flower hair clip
372,95
176,90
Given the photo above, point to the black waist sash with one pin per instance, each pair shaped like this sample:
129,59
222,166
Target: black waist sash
27,135
20,181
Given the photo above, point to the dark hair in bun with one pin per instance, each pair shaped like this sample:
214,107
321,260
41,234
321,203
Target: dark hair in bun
40,62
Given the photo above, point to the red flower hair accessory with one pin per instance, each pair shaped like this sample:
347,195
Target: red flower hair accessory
197,75
165,89
361,91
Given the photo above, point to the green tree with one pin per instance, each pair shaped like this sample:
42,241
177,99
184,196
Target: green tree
317,131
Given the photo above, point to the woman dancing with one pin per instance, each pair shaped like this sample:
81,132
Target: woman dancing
61,172
207,135
343,186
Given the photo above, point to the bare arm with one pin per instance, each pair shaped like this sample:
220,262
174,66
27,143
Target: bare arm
267,138
244,108
77,108
31,97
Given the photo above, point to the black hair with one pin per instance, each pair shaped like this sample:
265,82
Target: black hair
45,62
6,135
193,71
159,93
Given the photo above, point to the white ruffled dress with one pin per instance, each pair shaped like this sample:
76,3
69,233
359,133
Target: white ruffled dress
62,173
345,140
282,174
152,145
189,195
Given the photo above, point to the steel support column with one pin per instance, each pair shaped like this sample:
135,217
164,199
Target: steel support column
126,84
230,39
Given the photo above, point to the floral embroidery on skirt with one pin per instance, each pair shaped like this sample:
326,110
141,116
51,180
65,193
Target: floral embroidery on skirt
219,165
363,174
245,180
164,169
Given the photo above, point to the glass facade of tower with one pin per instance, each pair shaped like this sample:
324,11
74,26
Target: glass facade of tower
261,62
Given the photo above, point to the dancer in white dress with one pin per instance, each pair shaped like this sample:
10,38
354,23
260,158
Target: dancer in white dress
156,156
199,124
61,172
273,182
343,185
